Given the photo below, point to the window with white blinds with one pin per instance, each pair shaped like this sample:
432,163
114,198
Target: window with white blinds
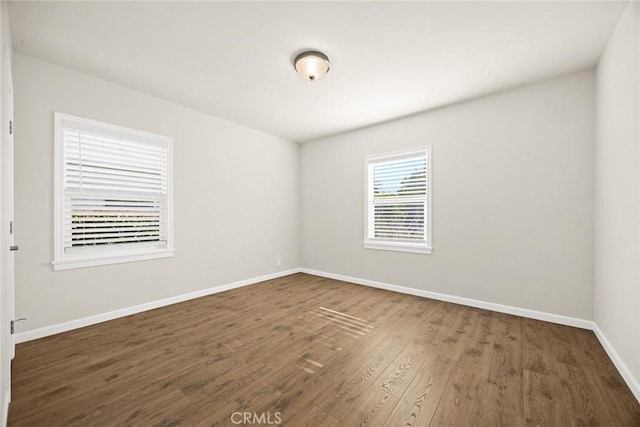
113,194
398,208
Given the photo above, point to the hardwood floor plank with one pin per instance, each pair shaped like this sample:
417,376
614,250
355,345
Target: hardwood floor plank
421,399
543,401
479,347
539,347
455,327
504,383
370,409
457,402
396,378
312,418
579,395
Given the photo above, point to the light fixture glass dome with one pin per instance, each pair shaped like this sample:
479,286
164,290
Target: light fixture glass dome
311,65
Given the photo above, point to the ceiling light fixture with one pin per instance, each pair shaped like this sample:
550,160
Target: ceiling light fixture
311,65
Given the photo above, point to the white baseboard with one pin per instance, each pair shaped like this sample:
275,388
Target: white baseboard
622,367
103,317
517,311
6,399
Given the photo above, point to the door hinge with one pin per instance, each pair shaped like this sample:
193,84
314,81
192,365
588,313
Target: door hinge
13,322
10,227
10,127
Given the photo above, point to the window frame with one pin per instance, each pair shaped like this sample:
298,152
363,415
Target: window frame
103,255
422,247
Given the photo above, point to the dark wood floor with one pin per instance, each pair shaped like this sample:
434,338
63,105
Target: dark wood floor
306,350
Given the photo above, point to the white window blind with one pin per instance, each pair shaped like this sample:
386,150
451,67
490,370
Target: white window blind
398,201
114,198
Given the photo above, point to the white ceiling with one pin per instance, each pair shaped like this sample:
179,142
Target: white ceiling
388,59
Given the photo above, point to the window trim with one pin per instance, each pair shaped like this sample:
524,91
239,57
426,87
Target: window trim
63,261
425,247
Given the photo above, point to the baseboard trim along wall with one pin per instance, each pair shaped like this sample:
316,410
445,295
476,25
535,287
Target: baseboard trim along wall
115,314
624,370
517,311
5,407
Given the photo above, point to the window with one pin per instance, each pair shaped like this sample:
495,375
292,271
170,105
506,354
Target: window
112,194
398,208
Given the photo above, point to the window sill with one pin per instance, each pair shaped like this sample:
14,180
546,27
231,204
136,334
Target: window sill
109,259
417,248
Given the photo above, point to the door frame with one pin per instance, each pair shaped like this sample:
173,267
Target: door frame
7,229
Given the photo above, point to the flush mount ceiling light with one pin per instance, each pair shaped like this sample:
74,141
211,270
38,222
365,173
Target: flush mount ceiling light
311,65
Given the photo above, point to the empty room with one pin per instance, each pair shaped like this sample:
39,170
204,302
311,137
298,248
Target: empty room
367,213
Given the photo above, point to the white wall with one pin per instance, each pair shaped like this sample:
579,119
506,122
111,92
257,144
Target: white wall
236,199
617,192
512,199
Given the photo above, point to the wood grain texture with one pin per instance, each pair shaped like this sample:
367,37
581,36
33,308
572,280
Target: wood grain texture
319,352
